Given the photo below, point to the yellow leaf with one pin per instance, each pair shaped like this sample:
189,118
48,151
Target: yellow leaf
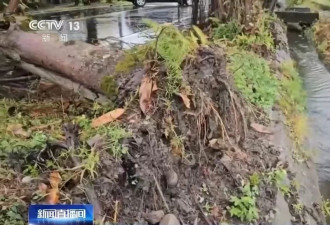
53,196
55,179
145,91
17,129
108,117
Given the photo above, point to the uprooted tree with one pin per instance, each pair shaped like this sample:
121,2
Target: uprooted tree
86,64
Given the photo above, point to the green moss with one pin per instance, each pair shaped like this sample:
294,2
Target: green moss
109,86
132,58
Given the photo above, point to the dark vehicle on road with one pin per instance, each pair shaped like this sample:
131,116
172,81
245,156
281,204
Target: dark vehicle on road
141,3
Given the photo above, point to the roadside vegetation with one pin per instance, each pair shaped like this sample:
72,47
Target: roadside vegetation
321,34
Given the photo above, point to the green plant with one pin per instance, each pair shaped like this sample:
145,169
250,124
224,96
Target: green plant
12,212
298,208
263,36
293,104
227,31
32,170
325,207
113,132
90,160
173,46
276,176
254,179
253,78
244,207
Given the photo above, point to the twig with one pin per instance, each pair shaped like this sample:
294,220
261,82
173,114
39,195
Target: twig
161,193
201,211
116,212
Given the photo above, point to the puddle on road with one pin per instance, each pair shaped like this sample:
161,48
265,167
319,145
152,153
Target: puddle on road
317,82
125,27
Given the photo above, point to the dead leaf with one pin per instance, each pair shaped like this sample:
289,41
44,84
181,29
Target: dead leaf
17,129
260,128
145,91
218,144
185,99
108,117
42,188
154,86
215,212
55,179
53,196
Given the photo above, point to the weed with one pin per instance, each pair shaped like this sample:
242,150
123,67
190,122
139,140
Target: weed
208,208
177,145
233,33
261,38
254,179
12,212
276,176
173,47
244,207
285,190
113,132
293,103
298,208
326,207
227,31
32,170
253,78
89,162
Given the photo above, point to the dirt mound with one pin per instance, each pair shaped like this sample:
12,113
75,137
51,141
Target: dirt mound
206,145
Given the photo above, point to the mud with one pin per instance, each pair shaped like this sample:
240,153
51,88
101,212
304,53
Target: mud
206,175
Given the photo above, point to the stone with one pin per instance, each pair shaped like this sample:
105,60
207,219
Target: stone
169,219
154,217
171,178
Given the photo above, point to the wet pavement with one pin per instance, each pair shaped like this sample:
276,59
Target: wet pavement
316,78
125,26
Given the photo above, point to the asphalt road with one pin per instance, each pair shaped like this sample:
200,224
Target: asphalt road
126,26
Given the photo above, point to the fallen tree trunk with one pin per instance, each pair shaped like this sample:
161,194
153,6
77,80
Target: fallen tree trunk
80,62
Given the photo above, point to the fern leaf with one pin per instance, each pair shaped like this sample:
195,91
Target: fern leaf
201,36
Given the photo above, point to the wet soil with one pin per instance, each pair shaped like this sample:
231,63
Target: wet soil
206,175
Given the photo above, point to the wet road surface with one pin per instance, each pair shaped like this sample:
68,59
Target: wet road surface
126,27
316,78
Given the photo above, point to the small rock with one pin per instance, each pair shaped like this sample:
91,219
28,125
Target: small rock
27,179
169,219
171,178
183,206
154,216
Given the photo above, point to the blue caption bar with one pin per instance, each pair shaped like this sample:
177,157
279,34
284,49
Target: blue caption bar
61,214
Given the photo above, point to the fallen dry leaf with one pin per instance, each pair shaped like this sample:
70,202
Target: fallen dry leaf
108,117
53,194
17,129
260,128
185,99
145,91
55,179
52,197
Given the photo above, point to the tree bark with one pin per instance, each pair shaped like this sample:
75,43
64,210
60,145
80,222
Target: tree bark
83,63
77,65
12,6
